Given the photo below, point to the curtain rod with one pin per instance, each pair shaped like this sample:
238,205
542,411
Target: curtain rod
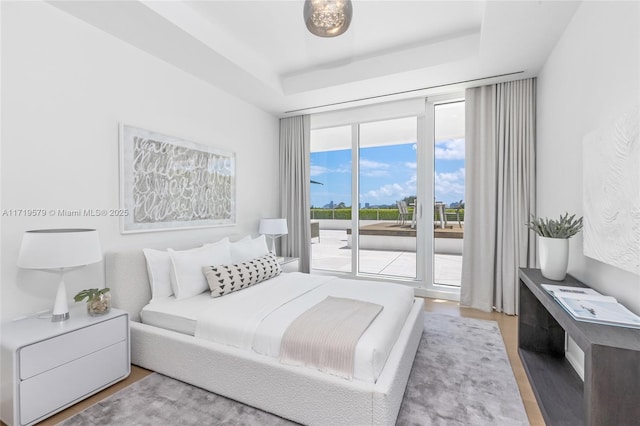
402,92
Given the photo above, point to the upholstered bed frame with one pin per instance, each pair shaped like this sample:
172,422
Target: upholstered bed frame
302,395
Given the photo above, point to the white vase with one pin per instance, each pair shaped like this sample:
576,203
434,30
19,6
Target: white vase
554,257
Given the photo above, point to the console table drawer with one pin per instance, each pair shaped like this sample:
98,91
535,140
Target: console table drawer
62,386
70,346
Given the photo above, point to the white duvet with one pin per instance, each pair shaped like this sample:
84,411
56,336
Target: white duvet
256,318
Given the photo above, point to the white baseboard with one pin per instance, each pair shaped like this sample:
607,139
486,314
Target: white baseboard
435,294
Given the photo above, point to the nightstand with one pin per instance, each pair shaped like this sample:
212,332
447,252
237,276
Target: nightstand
290,264
48,366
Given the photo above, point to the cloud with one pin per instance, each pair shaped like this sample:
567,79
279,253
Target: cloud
445,185
370,164
449,183
393,190
374,173
374,168
316,170
370,168
385,191
450,149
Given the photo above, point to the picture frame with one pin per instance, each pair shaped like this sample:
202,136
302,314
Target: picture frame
168,183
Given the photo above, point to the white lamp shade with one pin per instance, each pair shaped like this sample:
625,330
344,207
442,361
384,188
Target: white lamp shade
59,248
271,226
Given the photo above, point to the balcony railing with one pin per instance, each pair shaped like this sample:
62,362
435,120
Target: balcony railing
374,214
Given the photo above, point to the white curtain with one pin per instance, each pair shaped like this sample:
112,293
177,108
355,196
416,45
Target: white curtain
499,194
295,135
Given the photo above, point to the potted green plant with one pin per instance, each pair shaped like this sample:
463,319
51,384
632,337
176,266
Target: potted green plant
553,243
98,300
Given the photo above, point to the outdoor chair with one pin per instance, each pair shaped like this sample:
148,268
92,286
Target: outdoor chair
458,213
459,210
403,212
440,213
413,212
315,229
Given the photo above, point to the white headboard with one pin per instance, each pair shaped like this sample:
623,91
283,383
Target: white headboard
126,276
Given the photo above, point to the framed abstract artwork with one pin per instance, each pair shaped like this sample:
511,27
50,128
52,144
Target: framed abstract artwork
611,193
167,183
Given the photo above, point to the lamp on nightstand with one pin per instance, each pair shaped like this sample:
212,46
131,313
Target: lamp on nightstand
272,229
59,250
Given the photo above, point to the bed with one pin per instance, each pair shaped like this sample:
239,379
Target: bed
253,374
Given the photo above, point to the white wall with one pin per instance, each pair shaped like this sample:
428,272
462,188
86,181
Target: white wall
591,77
65,87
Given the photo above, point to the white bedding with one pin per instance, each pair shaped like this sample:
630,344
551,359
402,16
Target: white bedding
256,318
176,315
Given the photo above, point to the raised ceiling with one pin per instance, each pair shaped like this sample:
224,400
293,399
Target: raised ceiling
262,52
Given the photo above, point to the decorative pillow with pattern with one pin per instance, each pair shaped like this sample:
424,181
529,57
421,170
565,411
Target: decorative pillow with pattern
224,279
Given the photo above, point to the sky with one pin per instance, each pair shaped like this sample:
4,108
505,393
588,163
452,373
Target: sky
388,174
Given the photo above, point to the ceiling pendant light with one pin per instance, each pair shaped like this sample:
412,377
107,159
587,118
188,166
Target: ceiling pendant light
327,18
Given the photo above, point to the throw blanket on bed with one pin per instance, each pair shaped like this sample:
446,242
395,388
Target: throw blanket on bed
325,336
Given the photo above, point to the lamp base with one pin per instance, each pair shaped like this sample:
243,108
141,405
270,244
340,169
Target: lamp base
60,317
272,244
60,307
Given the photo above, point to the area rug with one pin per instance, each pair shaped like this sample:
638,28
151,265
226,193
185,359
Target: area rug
461,376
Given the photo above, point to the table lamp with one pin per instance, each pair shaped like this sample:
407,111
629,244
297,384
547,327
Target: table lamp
272,229
59,250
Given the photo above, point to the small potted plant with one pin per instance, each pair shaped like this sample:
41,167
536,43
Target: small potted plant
98,300
553,243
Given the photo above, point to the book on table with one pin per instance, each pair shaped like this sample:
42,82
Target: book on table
586,304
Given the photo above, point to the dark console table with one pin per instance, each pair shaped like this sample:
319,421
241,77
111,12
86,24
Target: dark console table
610,394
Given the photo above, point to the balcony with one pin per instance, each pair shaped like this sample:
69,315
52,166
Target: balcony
386,247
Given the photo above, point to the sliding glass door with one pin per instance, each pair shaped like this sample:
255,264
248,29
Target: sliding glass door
446,142
363,196
331,152
387,194
382,195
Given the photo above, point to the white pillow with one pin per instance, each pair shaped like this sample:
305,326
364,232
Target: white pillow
159,270
187,279
245,238
247,249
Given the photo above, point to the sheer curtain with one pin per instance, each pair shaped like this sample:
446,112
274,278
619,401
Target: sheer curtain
295,135
500,193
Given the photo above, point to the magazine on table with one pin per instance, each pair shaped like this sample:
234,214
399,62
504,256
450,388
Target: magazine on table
586,304
562,290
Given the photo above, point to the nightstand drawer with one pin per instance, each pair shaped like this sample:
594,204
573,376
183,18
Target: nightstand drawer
64,385
47,354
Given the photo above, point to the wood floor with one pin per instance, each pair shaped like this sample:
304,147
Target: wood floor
508,327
